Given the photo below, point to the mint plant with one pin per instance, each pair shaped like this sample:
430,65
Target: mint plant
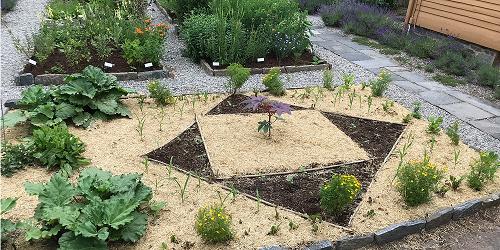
452,133
238,75
98,209
272,108
434,125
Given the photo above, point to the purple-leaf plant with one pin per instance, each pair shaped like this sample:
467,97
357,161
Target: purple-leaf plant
272,108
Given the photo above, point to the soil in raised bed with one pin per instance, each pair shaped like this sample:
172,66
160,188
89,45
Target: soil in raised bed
270,61
300,191
375,137
233,105
59,60
187,152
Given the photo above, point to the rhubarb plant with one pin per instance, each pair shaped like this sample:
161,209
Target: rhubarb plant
98,209
274,110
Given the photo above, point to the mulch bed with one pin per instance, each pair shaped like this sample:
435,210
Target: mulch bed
59,60
301,194
270,61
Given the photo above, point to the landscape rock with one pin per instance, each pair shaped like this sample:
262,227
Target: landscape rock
50,79
354,242
126,76
10,103
321,245
398,231
153,74
466,208
492,200
273,247
25,79
439,218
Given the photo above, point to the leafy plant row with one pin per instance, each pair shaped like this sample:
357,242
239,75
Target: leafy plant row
83,98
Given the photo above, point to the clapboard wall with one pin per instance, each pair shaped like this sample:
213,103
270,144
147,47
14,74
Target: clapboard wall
475,21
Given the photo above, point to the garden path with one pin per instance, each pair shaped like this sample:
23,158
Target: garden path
477,112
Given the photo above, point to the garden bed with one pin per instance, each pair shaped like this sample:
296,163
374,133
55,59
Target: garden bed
116,146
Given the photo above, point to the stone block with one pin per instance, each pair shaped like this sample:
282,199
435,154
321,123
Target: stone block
25,79
437,97
125,76
354,242
466,111
50,79
466,208
320,245
439,218
153,74
409,86
398,231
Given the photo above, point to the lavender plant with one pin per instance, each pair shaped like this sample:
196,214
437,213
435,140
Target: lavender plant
272,108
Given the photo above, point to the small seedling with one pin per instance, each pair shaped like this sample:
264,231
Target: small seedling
205,97
455,182
370,102
292,226
432,143
364,85
407,119
183,188
456,156
140,125
352,95
276,214
164,246
370,214
348,81
387,105
141,100
289,178
416,110
452,132
174,239
315,220
442,190
156,207
402,152
145,163
161,117
434,125
327,79
181,111
274,229
170,166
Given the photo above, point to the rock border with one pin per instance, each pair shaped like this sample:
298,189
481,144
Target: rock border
400,230
26,79
284,69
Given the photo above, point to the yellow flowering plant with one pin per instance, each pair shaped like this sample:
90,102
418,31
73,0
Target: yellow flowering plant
417,180
213,224
338,192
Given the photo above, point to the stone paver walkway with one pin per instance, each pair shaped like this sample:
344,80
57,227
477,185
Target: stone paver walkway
478,113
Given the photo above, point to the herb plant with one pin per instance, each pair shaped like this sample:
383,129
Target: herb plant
455,182
387,105
417,181
238,75
381,83
98,209
338,192
452,133
434,125
15,157
328,79
213,224
483,170
416,110
273,82
272,108
161,94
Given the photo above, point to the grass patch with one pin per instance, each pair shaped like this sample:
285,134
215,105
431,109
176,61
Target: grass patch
447,80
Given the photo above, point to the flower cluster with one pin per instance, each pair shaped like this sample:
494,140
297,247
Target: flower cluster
146,45
213,224
148,28
417,181
339,192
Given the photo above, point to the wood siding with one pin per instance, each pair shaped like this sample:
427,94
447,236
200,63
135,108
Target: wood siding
475,21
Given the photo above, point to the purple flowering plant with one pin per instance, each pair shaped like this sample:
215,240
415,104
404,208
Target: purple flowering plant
274,109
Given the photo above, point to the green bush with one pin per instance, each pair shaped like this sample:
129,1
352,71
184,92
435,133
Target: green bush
434,126
55,147
381,83
455,63
8,5
312,6
488,75
273,82
83,98
417,181
213,224
483,170
183,8
160,93
15,157
452,132
238,75
328,79
98,209
146,46
338,192
421,47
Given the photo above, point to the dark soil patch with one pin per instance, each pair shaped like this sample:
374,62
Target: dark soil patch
187,152
307,58
233,105
58,63
375,137
302,193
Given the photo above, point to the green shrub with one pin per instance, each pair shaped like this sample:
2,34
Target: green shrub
455,63
83,98
15,157
97,209
483,170
488,75
196,31
55,147
331,19
421,47
417,181
160,93
8,5
338,192
497,92
312,6
452,132
434,126
7,226
238,75
328,79
381,83
273,82
447,80
146,46
213,224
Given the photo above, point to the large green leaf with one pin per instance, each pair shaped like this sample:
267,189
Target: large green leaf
66,110
46,109
82,119
57,192
33,97
107,105
69,241
122,110
78,87
7,204
118,211
33,188
133,230
14,117
7,226
35,233
66,215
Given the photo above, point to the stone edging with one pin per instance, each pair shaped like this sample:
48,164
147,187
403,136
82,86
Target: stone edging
399,230
284,69
56,79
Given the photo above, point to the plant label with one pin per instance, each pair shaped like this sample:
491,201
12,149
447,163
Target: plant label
216,64
148,65
260,59
33,62
108,65
315,32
